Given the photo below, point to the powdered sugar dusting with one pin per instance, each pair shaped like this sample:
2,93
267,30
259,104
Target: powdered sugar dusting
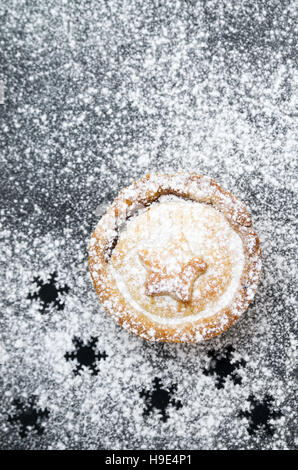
156,228
96,96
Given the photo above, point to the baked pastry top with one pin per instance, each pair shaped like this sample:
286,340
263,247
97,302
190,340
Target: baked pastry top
175,258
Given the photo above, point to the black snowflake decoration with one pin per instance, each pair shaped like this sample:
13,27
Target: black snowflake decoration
160,398
28,417
86,355
221,366
260,414
48,293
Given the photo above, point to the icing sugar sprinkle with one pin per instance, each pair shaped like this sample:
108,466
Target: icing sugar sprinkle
154,247
95,97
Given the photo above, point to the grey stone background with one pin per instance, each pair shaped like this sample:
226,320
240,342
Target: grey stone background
97,93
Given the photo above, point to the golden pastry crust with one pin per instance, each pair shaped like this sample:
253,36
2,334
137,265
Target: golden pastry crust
162,281
141,194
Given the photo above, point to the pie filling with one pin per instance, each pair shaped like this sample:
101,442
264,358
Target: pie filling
177,261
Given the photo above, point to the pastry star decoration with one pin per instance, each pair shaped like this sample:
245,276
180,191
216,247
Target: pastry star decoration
172,270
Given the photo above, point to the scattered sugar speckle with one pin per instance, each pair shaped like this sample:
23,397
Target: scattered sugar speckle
96,95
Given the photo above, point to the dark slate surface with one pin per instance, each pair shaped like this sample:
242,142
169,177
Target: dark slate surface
97,93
